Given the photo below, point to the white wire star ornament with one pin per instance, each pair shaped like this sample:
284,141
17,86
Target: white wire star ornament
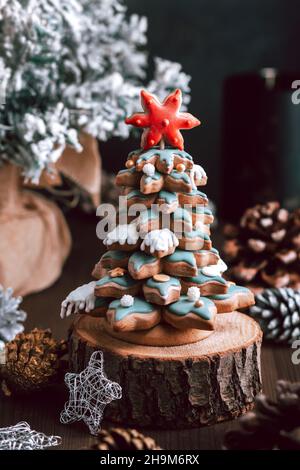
90,392
22,437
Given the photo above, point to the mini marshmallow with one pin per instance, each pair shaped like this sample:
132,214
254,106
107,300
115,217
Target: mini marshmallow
149,169
193,293
127,300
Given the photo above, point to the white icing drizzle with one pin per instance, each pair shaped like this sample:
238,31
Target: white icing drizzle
215,269
199,173
126,233
82,298
127,300
149,169
160,240
193,293
196,175
192,178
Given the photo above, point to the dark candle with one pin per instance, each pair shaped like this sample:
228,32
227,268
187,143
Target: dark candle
261,141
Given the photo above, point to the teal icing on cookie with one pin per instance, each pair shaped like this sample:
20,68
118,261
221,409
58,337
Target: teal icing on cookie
182,256
182,214
166,155
102,302
127,170
122,281
177,175
196,192
196,234
183,306
156,177
200,209
204,252
232,290
202,278
139,306
148,215
134,153
115,254
168,196
136,193
139,258
163,287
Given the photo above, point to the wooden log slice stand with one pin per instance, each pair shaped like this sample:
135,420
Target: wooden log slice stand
190,385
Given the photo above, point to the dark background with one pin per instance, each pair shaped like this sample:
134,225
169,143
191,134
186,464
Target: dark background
213,40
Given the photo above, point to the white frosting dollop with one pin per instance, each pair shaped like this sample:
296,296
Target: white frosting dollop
193,293
126,233
149,169
215,269
127,300
160,240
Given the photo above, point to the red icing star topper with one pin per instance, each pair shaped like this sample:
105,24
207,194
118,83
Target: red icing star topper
163,121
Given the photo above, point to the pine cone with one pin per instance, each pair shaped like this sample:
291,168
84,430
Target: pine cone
32,361
272,425
123,439
265,248
278,313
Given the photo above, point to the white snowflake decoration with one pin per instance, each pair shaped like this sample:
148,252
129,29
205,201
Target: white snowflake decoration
90,392
21,437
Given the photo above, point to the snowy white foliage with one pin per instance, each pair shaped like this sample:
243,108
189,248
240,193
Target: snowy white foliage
11,317
67,65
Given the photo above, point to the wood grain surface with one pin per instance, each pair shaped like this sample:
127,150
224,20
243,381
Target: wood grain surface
42,410
180,386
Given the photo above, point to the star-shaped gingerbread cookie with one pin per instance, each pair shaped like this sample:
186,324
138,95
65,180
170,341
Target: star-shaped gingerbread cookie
162,121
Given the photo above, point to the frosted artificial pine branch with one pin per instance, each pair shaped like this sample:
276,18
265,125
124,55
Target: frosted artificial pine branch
11,317
68,65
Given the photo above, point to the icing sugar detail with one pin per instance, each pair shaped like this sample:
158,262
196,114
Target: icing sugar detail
127,300
81,298
193,293
126,233
199,172
199,225
139,306
164,287
196,175
160,240
192,178
168,196
138,259
149,169
215,269
115,254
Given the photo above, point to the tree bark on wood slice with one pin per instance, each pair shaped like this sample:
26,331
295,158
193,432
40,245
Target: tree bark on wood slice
177,386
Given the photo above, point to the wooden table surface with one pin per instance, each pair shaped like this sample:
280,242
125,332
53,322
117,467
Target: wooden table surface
42,410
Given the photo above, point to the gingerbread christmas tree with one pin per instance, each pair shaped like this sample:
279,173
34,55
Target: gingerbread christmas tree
160,265
154,306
